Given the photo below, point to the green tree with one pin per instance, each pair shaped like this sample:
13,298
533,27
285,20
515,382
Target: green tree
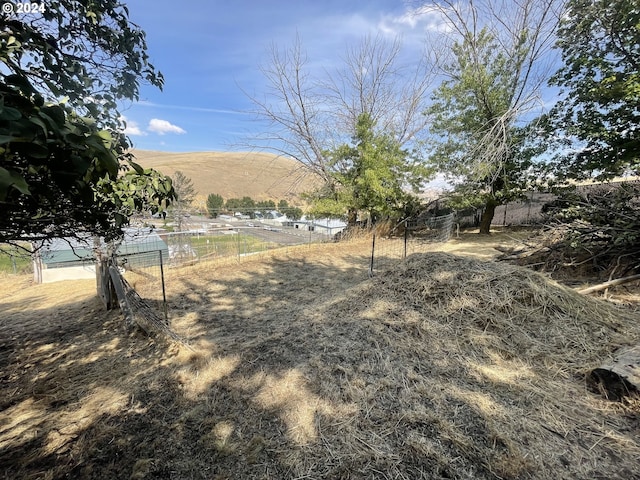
294,213
492,80
247,205
64,165
307,115
215,203
370,177
185,193
600,78
282,205
266,205
233,204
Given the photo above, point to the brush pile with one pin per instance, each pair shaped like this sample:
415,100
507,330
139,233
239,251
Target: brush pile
589,231
524,314
470,369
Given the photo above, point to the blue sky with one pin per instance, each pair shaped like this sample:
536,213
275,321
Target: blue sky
210,51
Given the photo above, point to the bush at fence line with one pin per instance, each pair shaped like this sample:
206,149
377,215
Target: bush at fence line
438,229
352,232
387,228
382,228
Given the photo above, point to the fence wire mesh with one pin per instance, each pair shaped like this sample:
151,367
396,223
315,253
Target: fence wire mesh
152,262
418,236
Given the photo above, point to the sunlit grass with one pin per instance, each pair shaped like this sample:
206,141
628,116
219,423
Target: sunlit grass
14,260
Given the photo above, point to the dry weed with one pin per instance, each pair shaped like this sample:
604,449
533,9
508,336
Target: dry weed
440,367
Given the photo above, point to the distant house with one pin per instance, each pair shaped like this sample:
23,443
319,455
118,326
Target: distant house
275,218
73,259
142,247
326,226
64,259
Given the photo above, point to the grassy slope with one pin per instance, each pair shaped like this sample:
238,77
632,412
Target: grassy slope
303,368
260,176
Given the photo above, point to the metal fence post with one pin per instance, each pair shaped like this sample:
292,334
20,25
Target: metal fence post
164,293
529,209
406,235
373,249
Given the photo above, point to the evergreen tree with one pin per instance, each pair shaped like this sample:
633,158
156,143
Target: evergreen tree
215,202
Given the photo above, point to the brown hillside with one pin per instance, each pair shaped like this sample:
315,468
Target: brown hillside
261,176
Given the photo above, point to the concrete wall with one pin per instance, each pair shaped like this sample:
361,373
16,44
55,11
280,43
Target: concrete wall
68,273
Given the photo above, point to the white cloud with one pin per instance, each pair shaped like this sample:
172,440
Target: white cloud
415,21
162,127
132,127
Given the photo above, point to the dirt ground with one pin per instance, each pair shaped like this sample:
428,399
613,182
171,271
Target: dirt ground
300,366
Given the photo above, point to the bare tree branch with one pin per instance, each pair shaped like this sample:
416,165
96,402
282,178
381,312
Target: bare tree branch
308,116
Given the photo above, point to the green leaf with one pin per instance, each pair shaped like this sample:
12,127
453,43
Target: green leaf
56,114
9,114
139,170
106,136
8,139
35,150
21,82
10,179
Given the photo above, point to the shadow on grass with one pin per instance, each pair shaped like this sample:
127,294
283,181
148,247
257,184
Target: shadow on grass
298,370
81,399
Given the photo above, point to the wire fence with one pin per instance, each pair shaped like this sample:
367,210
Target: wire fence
418,236
150,266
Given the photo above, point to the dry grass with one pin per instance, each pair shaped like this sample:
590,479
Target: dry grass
443,367
260,176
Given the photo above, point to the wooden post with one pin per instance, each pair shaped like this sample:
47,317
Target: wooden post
116,281
104,285
37,264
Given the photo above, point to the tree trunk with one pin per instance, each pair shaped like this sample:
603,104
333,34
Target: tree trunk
487,216
104,284
116,282
37,264
352,217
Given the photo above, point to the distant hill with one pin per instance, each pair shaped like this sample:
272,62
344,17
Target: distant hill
261,176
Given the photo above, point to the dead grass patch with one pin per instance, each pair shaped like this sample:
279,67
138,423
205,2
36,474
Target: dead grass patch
440,367
261,176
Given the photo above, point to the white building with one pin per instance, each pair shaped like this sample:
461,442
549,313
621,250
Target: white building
73,259
325,226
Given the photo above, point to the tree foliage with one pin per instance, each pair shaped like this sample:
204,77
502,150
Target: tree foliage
88,52
600,78
64,165
491,82
185,194
371,177
291,212
245,205
215,202
309,113
266,205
